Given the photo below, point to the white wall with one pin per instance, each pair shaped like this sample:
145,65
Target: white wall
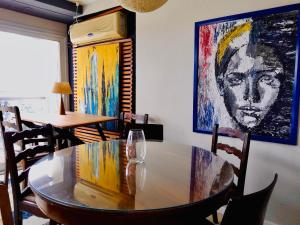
164,89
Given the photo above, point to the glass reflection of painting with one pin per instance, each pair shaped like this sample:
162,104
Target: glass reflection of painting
101,179
98,81
205,181
100,166
246,73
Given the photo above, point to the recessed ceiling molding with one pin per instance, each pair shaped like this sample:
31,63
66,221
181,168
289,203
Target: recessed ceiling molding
57,10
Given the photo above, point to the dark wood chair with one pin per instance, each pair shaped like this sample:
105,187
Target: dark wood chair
10,120
127,118
35,148
133,121
6,213
134,117
153,132
248,209
242,155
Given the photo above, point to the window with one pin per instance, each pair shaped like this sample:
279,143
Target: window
28,68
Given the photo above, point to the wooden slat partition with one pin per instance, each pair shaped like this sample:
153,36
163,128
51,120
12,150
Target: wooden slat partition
126,89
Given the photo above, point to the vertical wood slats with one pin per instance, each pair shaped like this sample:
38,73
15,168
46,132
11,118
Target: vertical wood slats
126,90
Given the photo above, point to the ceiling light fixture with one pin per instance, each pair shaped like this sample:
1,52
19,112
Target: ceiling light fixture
141,6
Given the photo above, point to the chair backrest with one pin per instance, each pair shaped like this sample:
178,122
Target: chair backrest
5,208
10,120
132,118
249,209
242,155
151,131
127,118
28,156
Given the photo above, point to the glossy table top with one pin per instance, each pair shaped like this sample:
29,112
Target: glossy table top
70,120
97,176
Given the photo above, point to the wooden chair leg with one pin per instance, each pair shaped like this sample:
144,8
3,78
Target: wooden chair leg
215,217
18,217
6,173
5,208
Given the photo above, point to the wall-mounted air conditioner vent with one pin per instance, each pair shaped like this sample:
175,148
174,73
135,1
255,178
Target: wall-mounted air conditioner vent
108,27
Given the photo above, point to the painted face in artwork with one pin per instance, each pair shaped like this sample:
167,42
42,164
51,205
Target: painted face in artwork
251,84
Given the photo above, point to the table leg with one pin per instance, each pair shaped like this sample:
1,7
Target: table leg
100,130
68,135
58,142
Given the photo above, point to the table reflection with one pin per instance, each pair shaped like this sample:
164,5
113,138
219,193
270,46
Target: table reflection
208,174
100,177
135,176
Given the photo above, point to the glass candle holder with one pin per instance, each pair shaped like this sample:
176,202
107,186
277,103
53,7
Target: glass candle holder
136,146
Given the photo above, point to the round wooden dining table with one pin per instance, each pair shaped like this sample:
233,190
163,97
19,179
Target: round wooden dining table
94,184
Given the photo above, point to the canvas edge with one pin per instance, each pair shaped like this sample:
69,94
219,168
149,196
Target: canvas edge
296,89
195,90
279,9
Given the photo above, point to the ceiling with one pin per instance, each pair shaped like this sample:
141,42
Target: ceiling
61,11
58,10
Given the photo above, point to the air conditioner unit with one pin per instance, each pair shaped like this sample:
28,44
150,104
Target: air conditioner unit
108,27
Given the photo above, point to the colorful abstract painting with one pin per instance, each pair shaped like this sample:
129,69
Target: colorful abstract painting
246,71
98,81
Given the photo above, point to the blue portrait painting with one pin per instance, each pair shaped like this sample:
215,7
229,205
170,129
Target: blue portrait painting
246,72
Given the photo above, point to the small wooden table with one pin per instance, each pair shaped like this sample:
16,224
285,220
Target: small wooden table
62,123
94,184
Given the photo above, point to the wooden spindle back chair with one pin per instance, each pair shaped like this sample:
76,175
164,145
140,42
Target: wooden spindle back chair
242,155
126,119
35,148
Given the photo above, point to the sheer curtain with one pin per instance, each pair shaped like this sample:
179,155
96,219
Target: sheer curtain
33,55
28,68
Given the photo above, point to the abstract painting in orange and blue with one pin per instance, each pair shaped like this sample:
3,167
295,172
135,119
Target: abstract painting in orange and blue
98,80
